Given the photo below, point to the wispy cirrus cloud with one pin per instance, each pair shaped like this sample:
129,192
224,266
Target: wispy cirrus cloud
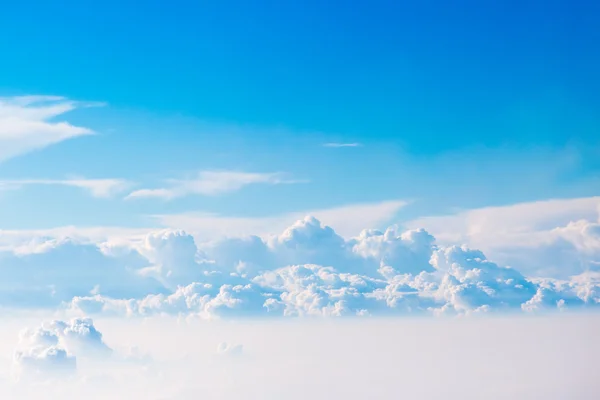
27,123
102,188
335,144
212,183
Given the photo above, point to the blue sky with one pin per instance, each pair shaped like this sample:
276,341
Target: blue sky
166,164
454,107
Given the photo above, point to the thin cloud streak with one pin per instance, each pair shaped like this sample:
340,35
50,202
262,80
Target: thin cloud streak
101,188
342,145
212,183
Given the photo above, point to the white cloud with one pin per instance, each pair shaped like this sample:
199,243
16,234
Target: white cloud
510,221
26,240
547,357
347,221
28,123
51,350
48,271
79,336
308,269
102,188
41,363
342,145
212,183
548,238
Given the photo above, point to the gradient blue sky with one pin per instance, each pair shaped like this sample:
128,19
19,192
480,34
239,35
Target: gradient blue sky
455,105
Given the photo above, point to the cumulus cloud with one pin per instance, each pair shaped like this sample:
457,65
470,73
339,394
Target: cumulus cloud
312,290
306,270
79,336
51,350
556,238
28,123
212,183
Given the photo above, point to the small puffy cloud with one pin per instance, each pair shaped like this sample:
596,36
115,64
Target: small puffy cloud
79,336
28,123
173,256
211,183
51,350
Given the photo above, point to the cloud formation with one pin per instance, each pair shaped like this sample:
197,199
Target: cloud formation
544,238
306,270
211,183
51,350
547,357
27,123
101,188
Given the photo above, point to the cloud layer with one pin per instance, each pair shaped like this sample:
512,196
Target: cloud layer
307,270
491,358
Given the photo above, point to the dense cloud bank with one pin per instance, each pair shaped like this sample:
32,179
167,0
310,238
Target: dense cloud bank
307,270
549,357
